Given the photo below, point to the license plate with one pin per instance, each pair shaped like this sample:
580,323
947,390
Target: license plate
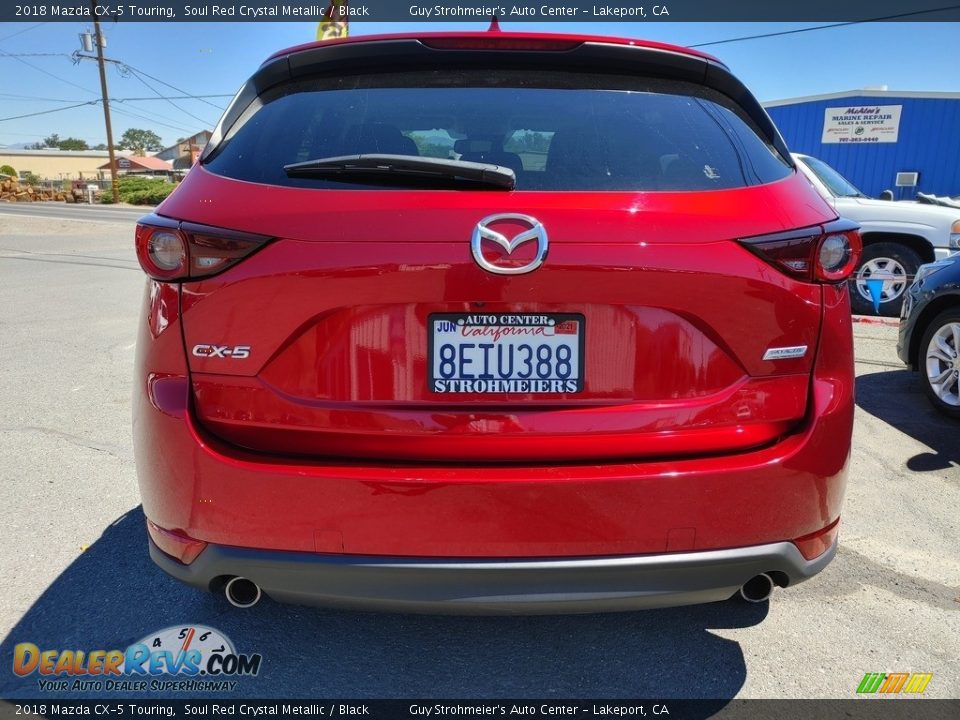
523,353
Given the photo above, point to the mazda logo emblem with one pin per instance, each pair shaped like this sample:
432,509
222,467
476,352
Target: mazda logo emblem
483,232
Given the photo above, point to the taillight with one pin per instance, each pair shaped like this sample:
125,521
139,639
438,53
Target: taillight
172,251
824,253
837,255
166,251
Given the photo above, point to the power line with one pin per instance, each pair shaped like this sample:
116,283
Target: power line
20,32
160,95
128,113
157,119
7,97
179,128
173,87
20,55
96,102
825,27
135,71
129,99
173,97
47,112
154,117
50,74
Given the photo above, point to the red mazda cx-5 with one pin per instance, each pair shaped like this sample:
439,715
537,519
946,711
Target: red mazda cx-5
494,322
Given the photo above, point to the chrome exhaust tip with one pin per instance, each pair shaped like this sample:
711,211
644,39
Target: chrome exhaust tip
242,593
757,589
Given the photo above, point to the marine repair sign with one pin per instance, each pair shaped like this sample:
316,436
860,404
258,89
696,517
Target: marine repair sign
861,124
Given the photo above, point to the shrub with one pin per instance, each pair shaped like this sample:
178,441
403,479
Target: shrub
132,183
7,170
138,190
148,196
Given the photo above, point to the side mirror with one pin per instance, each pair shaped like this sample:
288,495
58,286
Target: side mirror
886,195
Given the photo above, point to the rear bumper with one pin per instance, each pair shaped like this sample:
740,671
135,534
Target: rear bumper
560,585
195,485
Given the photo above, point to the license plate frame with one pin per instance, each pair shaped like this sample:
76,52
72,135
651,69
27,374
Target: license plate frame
493,383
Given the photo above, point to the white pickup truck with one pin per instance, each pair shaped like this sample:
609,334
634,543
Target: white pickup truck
898,236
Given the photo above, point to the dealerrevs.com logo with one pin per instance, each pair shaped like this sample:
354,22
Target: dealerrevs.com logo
181,658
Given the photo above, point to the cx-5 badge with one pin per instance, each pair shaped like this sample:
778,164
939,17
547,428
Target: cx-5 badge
237,352
482,232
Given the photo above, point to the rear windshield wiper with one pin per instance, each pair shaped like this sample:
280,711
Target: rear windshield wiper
411,169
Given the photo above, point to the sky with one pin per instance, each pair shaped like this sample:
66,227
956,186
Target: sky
214,59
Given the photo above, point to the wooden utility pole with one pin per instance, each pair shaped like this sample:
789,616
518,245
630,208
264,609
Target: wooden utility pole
98,40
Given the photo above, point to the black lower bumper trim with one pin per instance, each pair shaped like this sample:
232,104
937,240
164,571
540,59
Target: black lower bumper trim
495,586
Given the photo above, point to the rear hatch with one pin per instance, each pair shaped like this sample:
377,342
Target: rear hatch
383,321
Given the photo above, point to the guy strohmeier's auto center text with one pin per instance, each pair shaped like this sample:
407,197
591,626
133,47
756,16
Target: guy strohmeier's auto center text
542,11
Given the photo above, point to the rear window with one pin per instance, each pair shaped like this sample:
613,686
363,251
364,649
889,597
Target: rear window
557,131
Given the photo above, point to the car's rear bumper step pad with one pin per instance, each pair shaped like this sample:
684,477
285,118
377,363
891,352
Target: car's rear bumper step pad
495,586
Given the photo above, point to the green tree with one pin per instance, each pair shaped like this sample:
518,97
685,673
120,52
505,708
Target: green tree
73,144
31,179
101,146
54,141
7,170
50,141
140,141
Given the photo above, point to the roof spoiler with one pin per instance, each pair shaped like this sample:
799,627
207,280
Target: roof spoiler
397,54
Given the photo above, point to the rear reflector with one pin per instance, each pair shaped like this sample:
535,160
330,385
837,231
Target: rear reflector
823,253
500,43
816,544
175,544
172,251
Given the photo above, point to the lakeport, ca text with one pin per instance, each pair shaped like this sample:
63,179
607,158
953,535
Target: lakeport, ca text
538,11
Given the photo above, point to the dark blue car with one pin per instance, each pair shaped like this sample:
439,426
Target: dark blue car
930,332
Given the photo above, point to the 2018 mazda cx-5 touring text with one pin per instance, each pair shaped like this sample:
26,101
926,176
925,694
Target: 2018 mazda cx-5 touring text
494,322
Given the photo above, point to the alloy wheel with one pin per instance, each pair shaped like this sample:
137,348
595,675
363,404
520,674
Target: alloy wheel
943,363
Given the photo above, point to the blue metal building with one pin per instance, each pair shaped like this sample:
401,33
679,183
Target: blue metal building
870,136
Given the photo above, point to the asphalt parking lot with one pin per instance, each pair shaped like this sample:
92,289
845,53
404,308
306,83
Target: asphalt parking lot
76,573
